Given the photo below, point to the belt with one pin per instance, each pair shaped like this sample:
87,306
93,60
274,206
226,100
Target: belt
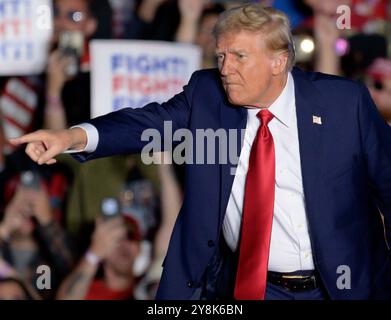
294,281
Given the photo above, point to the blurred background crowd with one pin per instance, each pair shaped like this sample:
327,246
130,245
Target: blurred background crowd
102,228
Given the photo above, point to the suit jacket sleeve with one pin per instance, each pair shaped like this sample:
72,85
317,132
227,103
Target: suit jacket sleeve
120,132
376,144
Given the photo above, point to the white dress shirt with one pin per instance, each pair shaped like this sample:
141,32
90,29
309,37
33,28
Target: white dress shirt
290,247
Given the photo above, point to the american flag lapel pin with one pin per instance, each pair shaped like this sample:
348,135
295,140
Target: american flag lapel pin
316,120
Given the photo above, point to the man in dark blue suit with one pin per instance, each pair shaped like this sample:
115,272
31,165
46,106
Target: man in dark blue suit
301,216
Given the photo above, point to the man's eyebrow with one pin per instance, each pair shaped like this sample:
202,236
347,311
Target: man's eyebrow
236,51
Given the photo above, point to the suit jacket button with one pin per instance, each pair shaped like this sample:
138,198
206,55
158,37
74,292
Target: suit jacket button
190,284
211,243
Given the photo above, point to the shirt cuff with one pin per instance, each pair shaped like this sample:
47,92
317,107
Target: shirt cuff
92,138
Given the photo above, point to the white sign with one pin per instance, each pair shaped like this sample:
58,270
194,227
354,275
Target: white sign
25,30
133,73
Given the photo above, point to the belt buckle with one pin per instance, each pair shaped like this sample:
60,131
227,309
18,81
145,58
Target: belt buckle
295,277
296,283
301,283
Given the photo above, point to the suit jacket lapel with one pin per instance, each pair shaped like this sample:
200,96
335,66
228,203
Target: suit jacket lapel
311,135
231,117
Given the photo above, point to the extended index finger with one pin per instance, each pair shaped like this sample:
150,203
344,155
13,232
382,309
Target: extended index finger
30,137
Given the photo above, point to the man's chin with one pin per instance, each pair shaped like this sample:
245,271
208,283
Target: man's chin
235,101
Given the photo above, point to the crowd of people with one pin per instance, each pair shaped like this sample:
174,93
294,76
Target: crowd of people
101,230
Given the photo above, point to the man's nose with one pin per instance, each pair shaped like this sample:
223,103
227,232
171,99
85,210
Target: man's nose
225,67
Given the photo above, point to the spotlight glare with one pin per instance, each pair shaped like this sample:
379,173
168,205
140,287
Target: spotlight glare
307,45
342,47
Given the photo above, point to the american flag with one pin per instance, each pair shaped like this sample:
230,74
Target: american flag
18,102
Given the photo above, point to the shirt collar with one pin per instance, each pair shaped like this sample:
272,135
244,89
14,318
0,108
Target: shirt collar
283,107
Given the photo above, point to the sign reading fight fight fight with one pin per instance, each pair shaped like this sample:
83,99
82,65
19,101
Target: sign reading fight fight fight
25,30
135,73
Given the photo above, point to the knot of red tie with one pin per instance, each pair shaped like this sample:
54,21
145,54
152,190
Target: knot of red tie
265,116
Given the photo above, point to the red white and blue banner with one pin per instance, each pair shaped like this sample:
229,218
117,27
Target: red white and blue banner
25,30
132,73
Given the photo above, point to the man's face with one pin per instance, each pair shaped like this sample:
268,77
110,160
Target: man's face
121,260
245,68
73,15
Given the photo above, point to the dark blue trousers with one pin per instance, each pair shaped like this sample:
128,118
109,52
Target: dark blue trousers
274,292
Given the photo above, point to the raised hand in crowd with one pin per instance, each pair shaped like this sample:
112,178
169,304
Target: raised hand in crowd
327,7
105,239
147,9
190,11
25,204
40,205
326,34
16,213
57,76
56,73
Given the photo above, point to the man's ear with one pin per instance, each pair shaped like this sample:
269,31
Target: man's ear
279,63
91,26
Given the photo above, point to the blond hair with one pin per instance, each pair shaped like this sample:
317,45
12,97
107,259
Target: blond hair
273,24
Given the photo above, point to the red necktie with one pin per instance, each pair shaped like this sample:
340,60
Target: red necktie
258,208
